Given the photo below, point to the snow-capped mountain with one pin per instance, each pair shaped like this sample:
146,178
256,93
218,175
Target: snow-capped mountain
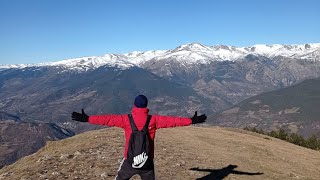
177,81
295,51
224,74
187,54
84,63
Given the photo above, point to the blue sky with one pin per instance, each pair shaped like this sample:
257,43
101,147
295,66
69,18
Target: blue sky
33,31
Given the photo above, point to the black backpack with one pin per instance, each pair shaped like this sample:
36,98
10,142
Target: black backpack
139,147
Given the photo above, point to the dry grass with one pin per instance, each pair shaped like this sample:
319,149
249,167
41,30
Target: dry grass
96,155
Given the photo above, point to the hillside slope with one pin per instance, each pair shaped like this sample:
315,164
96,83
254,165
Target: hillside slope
294,109
45,94
181,153
19,139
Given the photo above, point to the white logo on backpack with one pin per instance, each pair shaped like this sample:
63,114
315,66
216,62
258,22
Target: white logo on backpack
139,160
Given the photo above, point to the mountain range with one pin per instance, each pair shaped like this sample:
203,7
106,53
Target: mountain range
179,81
192,53
220,75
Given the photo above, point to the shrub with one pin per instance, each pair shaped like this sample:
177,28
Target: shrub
313,142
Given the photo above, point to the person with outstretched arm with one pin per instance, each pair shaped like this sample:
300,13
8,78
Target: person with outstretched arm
137,127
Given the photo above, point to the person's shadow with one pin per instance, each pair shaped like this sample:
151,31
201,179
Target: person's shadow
218,174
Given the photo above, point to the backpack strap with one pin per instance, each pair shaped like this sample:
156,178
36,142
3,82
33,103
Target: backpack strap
145,128
133,125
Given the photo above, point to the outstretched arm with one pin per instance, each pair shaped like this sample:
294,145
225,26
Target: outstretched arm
107,120
173,121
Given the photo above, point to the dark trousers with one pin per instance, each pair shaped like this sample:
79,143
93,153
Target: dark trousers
126,171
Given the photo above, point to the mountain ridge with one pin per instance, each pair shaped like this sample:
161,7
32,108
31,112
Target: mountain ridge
189,53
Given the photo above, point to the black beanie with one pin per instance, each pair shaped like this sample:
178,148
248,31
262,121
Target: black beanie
141,101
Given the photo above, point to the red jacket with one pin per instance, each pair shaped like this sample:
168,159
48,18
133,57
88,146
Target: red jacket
140,117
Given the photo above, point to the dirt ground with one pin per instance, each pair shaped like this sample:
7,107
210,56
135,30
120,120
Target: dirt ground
180,153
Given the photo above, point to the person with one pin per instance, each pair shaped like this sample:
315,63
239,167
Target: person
140,113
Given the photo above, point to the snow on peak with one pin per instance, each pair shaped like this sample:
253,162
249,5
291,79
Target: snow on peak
83,63
188,53
93,62
8,66
295,51
193,47
137,57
